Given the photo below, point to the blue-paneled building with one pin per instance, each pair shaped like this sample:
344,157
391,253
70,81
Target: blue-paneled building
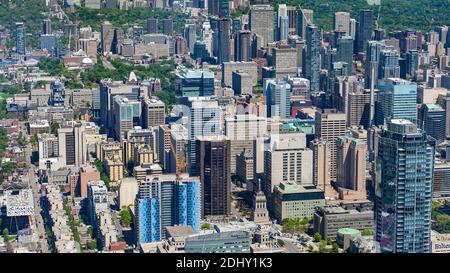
164,201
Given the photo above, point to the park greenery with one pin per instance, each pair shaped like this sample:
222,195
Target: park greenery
103,176
296,225
206,226
73,225
126,18
441,221
125,216
394,14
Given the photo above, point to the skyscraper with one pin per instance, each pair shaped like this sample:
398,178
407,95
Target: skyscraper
329,125
106,36
152,25
404,178
213,159
389,66
190,36
127,114
221,39
20,38
262,22
153,113
432,121
342,22
242,46
398,100
344,52
47,26
365,29
351,168
203,121
282,22
164,201
168,26
312,61
278,94
304,18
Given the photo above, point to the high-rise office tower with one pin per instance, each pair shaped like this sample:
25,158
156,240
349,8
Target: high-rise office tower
245,133
213,7
164,201
243,46
152,25
51,43
221,39
344,52
365,29
312,61
329,125
213,158
262,22
342,22
278,94
304,18
72,147
106,36
321,165
412,63
351,168
190,36
168,26
283,28
203,121
47,26
282,22
372,61
284,60
432,121
224,8
352,28
389,66
398,99
153,113
127,114
287,160
20,38
404,178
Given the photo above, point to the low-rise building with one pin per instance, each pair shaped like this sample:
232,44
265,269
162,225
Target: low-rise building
329,219
291,201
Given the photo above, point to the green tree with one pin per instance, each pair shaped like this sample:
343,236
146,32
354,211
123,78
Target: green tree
206,226
54,128
335,248
125,216
366,232
21,139
91,244
317,237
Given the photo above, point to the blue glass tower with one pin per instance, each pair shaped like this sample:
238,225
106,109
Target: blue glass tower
164,201
403,190
398,100
278,93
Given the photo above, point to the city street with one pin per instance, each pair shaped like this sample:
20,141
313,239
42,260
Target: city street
33,183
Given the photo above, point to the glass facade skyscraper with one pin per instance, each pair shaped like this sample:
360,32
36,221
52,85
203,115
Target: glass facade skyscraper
403,190
278,93
164,201
203,121
312,61
20,39
398,100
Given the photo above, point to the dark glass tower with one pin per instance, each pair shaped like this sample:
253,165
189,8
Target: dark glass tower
404,179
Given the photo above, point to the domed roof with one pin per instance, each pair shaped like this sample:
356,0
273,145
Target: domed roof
87,61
